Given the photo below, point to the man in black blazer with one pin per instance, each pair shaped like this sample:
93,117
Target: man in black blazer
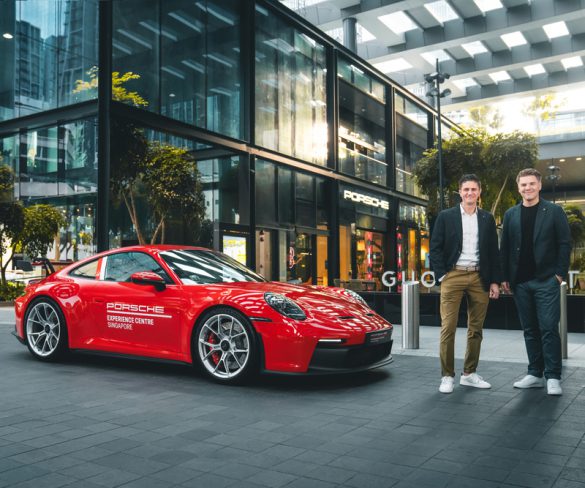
535,250
465,259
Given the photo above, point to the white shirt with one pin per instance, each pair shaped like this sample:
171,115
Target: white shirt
470,249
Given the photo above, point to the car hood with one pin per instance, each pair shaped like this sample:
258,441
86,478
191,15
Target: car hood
332,306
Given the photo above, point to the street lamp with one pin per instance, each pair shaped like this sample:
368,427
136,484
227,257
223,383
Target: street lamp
553,176
436,79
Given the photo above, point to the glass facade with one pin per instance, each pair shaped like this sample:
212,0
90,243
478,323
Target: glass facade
411,140
290,93
47,51
362,124
237,139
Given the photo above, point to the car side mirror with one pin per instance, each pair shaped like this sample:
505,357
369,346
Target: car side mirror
148,278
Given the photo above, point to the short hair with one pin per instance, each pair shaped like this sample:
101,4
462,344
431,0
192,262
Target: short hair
529,172
469,177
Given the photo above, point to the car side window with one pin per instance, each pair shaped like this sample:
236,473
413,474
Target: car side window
87,270
120,266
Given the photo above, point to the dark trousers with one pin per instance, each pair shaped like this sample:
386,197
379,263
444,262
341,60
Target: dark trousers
539,310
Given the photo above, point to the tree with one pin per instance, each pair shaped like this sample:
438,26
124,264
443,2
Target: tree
486,116
119,92
577,225
11,219
173,184
494,158
41,225
543,108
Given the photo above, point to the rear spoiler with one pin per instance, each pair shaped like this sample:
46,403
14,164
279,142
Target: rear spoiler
45,263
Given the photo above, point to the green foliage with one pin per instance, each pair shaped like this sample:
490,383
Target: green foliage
41,224
486,116
11,290
173,184
6,182
119,92
495,159
577,226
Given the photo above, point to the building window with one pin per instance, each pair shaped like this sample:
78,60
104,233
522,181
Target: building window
290,108
362,125
411,142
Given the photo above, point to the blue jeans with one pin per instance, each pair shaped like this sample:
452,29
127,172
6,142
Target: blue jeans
539,310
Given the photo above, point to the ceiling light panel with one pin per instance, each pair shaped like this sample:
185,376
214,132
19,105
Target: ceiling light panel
393,65
499,76
514,39
534,69
556,29
465,83
487,5
441,11
573,62
398,22
474,48
432,56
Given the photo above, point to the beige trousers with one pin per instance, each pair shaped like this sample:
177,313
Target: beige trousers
453,286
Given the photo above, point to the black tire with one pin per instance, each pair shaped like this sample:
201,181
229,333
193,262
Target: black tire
45,330
224,346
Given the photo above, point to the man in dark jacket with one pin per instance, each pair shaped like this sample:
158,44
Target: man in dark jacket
465,259
535,250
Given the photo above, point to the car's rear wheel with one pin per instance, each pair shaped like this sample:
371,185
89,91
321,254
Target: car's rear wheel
224,346
46,331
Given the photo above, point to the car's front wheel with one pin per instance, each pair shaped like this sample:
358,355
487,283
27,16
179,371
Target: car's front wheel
46,331
224,346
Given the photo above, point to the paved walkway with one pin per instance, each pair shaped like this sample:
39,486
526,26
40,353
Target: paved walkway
100,422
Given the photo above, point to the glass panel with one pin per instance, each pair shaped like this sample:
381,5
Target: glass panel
286,212
9,158
235,247
165,192
50,56
411,141
322,275
290,90
40,178
264,261
79,142
305,211
135,53
265,193
357,77
200,64
370,257
88,270
300,259
345,239
362,134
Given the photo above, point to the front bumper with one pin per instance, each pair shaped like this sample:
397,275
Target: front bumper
327,359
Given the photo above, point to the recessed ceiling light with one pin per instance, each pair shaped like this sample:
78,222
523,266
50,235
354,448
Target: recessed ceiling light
562,160
441,11
393,65
487,5
473,48
500,76
579,159
534,69
7,35
556,29
573,62
398,22
514,39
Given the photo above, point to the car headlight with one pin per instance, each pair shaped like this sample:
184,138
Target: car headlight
356,296
284,306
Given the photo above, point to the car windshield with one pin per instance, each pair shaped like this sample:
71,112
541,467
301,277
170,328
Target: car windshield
201,267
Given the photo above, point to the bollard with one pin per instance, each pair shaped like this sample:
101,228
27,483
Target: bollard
563,321
410,314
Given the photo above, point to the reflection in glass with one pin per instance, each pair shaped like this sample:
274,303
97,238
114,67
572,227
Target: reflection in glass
411,141
290,109
54,44
9,158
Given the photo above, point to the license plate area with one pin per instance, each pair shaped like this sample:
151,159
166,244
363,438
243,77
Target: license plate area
379,336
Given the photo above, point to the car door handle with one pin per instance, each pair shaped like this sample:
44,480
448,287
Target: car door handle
98,300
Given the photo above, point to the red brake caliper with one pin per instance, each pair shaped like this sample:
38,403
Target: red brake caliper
215,356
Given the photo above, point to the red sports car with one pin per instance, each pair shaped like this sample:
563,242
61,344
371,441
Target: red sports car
199,306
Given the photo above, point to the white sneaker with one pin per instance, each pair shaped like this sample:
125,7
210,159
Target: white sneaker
530,381
474,380
447,383
553,387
